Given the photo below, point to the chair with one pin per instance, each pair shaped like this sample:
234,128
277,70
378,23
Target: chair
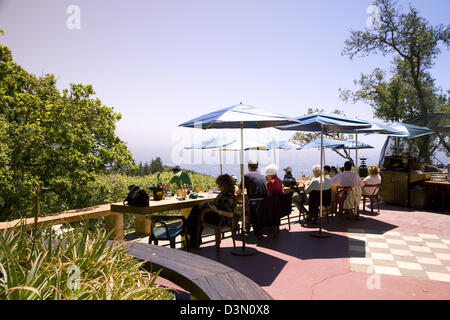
238,216
348,198
166,227
218,232
340,198
286,206
314,203
372,196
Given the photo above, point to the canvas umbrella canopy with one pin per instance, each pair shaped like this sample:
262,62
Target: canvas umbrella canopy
325,123
337,144
275,144
408,130
236,146
241,117
352,144
214,143
400,130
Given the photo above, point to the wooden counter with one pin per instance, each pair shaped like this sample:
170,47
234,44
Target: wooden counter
396,186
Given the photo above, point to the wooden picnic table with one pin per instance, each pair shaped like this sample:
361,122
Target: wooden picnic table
143,222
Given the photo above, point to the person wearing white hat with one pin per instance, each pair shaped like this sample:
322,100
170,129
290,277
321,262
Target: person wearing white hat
274,184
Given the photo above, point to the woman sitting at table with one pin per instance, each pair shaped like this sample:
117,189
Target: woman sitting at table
211,211
274,184
372,179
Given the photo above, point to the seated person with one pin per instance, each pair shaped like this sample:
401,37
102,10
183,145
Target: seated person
313,190
349,179
179,177
333,172
255,184
327,171
210,212
274,184
372,178
235,182
299,197
288,179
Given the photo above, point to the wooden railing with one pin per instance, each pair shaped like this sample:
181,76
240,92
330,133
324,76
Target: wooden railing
113,220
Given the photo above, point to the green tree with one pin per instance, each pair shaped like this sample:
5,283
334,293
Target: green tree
414,45
301,138
156,165
51,138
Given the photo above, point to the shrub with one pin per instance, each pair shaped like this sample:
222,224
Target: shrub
81,265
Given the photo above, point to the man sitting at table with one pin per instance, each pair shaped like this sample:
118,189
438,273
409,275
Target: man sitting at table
179,177
349,179
313,189
255,184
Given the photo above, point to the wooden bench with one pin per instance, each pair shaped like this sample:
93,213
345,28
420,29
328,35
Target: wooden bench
204,278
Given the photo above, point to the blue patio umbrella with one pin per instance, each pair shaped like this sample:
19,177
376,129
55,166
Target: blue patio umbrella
379,128
275,144
400,130
409,130
219,144
337,144
325,123
240,117
214,143
352,145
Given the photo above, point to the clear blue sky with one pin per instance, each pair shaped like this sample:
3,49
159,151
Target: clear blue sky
160,63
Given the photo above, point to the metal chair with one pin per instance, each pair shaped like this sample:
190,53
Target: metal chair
168,227
224,222
286,206
340,197
372,196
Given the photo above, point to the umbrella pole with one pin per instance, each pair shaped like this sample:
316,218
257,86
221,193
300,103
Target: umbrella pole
321,177
244,251
321,234
220,156
274,156
356,155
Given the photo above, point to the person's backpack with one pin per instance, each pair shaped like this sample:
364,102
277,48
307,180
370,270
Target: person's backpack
137,197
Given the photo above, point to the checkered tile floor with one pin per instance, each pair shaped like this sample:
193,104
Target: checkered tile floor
423,256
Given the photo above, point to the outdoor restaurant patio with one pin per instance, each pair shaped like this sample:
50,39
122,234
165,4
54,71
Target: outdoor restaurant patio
397,254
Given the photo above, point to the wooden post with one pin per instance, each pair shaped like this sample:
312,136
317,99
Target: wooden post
114,222
143,224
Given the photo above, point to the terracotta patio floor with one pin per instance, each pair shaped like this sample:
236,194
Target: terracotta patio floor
397,254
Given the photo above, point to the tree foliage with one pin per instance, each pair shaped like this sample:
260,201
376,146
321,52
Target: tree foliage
50,137
146,168
408,90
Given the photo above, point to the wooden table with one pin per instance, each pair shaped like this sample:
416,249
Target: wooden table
143,222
